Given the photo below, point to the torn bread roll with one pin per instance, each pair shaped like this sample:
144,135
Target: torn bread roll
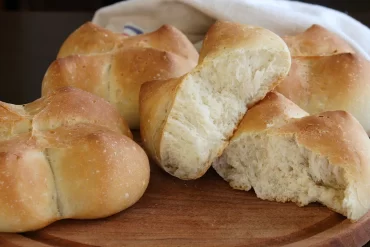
90,39
326,75
186,122
289,156
116,77
66,156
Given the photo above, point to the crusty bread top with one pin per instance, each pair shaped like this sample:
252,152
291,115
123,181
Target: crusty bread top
76,153
273,110
317,41
117,173
89,73
224,35
81,171
116,77
64,106
338,82
90,39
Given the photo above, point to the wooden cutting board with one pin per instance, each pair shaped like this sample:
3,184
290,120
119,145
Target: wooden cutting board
205,212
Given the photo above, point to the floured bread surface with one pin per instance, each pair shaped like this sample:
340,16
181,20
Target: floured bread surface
66,155
327,75
207,104
317,41
322,158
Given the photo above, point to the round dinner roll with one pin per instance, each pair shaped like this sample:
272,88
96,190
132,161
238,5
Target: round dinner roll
116,77
327,75
285,155
68,155
114,66
90,39
186,122
328,83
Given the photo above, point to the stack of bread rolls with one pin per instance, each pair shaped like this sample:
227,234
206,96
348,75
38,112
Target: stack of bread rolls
266,112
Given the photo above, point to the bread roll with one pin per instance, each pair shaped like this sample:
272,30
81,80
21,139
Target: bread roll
317,41
327,75
328,83
116,77
90,39
65,156
289,156
186,122
273,110
65,106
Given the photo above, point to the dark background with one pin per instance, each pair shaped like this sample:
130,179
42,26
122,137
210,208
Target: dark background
32,32
91,5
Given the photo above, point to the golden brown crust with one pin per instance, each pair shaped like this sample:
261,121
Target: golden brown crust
68,106
97,172
326,83
154,110
114,67
224,35
116,77
72,161
65,106
166,38
89,73
272,110
91,39
13,119
133,67
27,194
317,41
330,81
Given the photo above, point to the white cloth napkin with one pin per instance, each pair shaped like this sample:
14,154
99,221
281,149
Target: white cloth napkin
193,18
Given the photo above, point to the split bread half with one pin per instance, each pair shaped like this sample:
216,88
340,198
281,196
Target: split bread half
66,156
187,122
289,156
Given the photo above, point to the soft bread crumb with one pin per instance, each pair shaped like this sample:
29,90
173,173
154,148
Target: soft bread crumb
211,102
280,170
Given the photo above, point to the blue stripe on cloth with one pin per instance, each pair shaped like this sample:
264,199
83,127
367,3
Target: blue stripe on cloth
136,30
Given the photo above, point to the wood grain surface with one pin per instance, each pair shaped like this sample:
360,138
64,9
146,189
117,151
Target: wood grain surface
204,212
